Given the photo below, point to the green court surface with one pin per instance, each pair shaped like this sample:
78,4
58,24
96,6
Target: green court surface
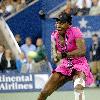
91,94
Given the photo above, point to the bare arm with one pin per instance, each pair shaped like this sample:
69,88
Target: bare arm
80,51
53,51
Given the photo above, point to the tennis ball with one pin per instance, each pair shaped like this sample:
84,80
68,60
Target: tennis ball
32,54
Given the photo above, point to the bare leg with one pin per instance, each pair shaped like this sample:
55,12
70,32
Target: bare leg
79,85
56,80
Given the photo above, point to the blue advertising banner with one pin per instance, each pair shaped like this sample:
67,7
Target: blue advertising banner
15,82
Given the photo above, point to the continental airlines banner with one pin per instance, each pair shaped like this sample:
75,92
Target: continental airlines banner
22,82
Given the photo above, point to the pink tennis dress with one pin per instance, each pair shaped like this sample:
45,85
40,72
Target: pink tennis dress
78,63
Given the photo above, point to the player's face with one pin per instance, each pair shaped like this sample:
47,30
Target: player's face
61,26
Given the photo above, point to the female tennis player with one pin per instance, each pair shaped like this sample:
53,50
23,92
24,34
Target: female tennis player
69,53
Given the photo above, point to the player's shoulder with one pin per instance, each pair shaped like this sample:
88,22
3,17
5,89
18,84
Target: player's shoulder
76,30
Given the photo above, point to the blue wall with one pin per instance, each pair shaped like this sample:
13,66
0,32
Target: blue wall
27,22
47,29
